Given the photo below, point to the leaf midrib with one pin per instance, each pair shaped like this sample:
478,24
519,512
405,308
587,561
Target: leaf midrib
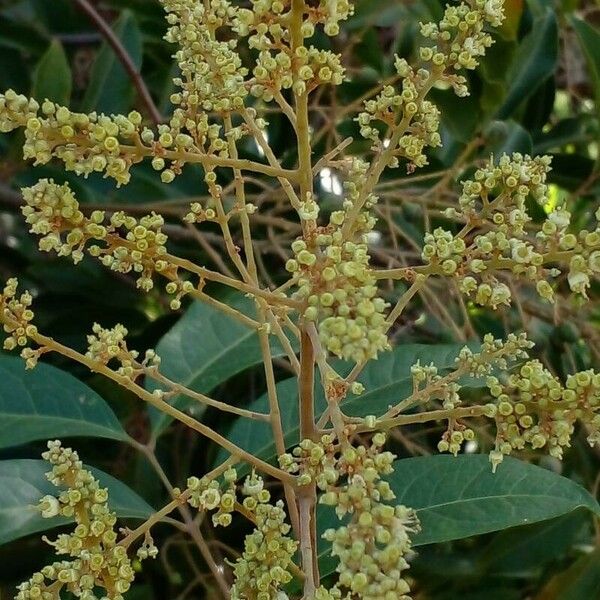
498,497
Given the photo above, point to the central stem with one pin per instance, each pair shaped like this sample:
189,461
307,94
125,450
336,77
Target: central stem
307,497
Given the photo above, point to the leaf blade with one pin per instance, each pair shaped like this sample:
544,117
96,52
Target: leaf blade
110,89
533,63
49,403
52,79
460,497
23,483
204,349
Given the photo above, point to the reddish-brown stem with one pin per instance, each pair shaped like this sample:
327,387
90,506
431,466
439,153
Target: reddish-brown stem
113,41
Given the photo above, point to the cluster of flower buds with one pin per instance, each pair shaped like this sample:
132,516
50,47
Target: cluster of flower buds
496,199
372,547
210,495
106,345
445,387
280,65
16,316
85,143
335,279
582,251
97,559
313,461
412,122
535,409
427,377
460,36
262,570
494,354
273,71
406,109
128,244
323,593
212,76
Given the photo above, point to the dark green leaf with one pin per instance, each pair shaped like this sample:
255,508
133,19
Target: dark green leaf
460,497
48,403
52,78
506,137
523,551
205,348
589,38
110,89
23,483
534,62
570,170
580,582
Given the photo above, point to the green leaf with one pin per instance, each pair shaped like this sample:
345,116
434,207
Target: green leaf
23,482
387,381
460,497
48,403
205,348
110,89
534,61
506,137
589,39
52,77
521,552
581,581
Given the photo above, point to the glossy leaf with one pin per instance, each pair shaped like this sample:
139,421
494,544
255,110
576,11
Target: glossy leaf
589,39
52,79
534,62
519,552
48,403
205,348
110,89
23,483
387,381
460,497
581,581
506,137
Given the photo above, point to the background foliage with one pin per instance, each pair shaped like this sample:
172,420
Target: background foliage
537,91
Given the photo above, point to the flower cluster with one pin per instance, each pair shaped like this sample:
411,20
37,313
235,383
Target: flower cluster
313,461
212,76
262,570
335,279
106,345
280,65
495,201
272,72
96,558
373,545
460,36
85,143
208,495
494,354
411,121
415,119
16,316
128,244
534,408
